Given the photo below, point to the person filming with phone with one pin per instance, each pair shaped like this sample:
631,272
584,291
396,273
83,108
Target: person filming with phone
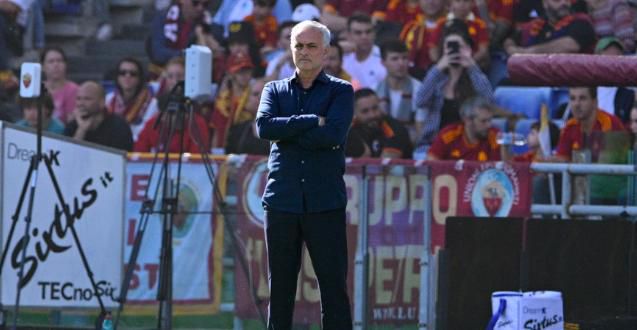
454,79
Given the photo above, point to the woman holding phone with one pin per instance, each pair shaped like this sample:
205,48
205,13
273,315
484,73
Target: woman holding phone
453,79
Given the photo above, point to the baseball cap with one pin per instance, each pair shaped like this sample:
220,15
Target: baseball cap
306,12
606,42
240,32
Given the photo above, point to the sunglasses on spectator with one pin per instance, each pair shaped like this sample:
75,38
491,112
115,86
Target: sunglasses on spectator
196,3
131,73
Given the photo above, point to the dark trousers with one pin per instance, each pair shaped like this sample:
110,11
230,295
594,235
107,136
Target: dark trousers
324,236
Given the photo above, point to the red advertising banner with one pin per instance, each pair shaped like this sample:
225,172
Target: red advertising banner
396,208
477,189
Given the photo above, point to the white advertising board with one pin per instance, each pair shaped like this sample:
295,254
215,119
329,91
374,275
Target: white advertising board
91,182
193,257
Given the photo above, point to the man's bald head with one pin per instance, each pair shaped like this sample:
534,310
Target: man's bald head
90,99
94,88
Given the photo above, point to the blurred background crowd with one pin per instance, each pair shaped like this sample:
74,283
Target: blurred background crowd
430,76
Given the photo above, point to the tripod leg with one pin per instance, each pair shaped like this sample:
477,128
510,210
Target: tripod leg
220,205
33,170
76,238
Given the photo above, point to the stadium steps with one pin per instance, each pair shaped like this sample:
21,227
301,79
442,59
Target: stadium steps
91,59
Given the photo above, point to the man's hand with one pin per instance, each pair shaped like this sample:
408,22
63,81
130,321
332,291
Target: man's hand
465,58
83,124
321,121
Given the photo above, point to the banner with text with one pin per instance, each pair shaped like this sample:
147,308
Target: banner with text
396,214
477,189
197,241
395,206
90,204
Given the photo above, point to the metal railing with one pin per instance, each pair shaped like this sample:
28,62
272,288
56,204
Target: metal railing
566,208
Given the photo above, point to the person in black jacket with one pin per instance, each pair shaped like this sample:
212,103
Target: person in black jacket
374,133
306,118
93,124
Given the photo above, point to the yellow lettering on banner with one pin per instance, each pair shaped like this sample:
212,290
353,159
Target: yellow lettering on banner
417,182
311,291
440,182
393,205
383,274
376,205
411,275
351,182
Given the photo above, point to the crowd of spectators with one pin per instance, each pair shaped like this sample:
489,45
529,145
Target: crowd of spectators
424,73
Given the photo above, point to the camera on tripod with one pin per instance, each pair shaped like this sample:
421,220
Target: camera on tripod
197,84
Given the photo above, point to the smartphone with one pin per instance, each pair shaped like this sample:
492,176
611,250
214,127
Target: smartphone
453,47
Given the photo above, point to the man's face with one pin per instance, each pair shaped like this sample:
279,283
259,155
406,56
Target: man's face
367,111
333,61
88,101
582,104
557,9
362,35
633,120
308,50
432,8
460,8
397,64
480,124
193,9
260,9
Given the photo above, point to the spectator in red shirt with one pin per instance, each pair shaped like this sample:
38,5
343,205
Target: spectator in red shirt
153,138
336,12
416,34
265,25
461,9
558,32
498,14
401,11
472,139
587,118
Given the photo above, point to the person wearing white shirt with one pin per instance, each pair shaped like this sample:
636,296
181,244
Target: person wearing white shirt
364,63
397,92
